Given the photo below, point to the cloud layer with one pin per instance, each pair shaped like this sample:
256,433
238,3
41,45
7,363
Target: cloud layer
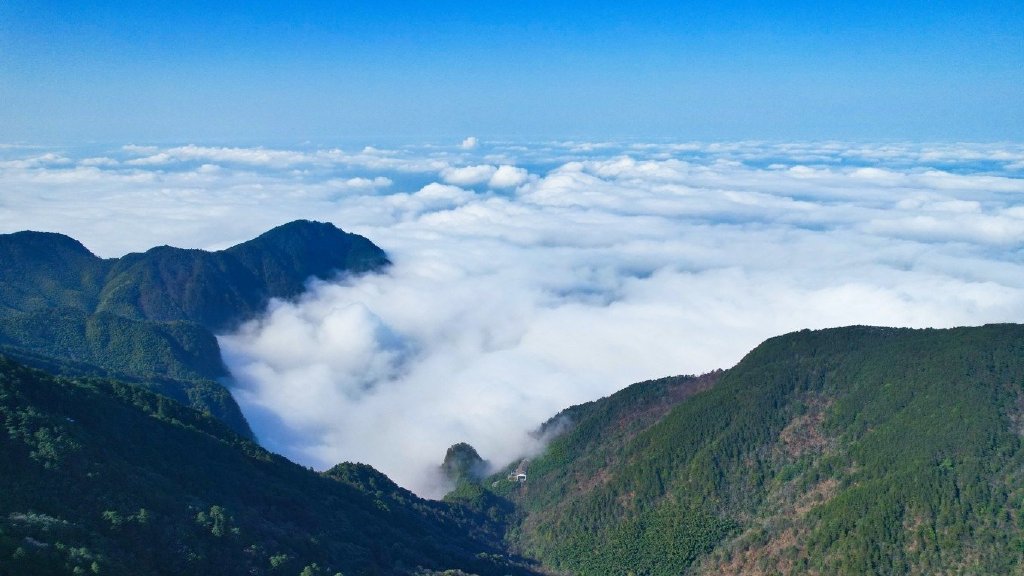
531,277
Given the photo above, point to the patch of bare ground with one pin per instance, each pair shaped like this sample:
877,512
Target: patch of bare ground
632,423
773,547
588,483
819,494
912,525
773,557
627,501
805,433
1016,415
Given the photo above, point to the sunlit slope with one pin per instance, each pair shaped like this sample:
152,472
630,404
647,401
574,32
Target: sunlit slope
853,450
102,477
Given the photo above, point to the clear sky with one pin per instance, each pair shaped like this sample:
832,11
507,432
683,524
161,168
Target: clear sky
324,72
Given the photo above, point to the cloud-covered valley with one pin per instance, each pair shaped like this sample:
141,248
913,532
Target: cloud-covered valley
528,278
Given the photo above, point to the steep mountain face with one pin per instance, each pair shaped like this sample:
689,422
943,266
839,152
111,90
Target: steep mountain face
100,477
462,463
845,451
285,257
150,317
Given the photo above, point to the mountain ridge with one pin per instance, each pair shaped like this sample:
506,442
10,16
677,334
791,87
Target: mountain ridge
151,316
275,264
841,451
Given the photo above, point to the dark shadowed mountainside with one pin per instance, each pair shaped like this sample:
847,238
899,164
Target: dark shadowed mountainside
463,463
150,317
220,289
100,477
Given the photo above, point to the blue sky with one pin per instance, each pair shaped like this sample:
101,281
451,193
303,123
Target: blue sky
587,212
329,72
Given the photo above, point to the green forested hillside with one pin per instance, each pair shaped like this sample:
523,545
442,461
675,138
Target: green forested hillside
167,284
853,450
846,451
45,270
126,346
99,477
285,257
150,317
219,289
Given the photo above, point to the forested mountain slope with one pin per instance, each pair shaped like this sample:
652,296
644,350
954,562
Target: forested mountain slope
99,477
854,450
150,317
845,451
219,289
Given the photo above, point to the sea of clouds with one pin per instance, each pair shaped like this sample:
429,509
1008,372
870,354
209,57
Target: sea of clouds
530,277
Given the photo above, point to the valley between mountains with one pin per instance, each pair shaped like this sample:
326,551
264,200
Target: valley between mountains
854,450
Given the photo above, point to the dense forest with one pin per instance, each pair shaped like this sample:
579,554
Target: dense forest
149,318
845,451
100,477
857,450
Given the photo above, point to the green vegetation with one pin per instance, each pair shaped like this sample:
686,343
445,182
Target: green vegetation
285,257
462,463
100,477
178,350
46,270
846,451
149,318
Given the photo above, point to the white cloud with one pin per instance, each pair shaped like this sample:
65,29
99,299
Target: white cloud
508,177
469,143
251,156
359,184
468,175
431,198
608,263
496,177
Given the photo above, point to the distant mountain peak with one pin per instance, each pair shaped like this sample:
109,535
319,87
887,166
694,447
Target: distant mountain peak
462,462
302,225
284,257
297,231
32,241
